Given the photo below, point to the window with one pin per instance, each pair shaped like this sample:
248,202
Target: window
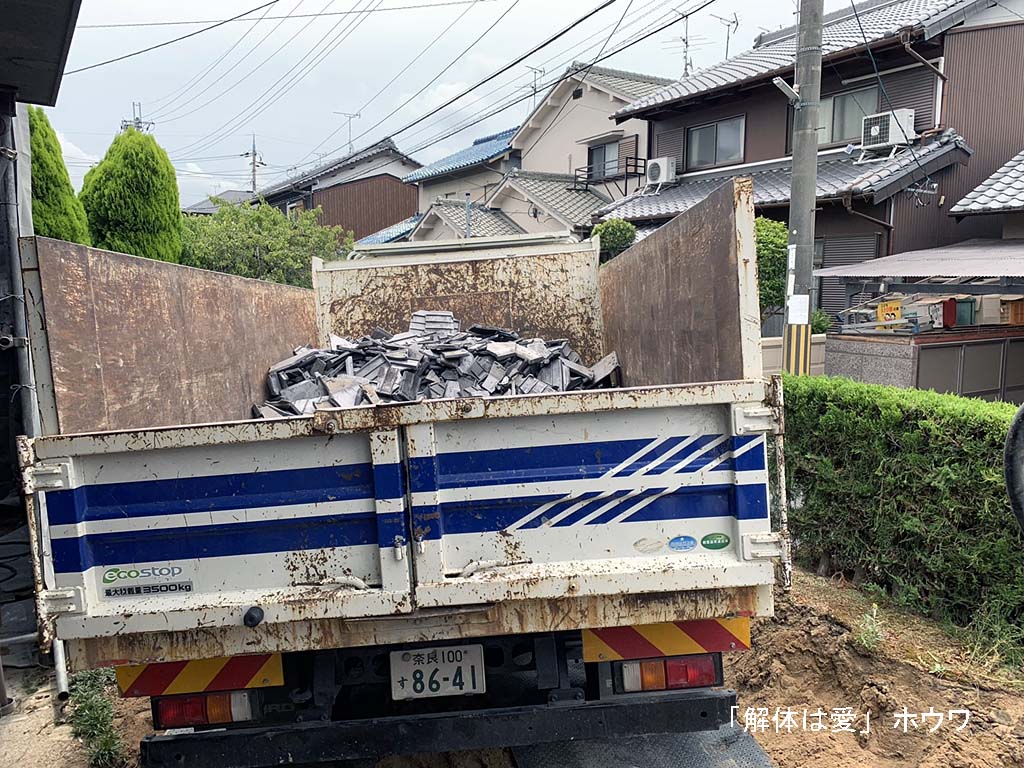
719,143
603,160
841,114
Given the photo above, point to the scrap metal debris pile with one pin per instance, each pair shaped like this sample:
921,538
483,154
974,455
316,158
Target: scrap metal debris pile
433,360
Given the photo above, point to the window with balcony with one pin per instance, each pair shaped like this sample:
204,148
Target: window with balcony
721,143
603,161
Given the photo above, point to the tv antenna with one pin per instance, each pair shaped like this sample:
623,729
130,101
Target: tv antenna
537,73
350,116
731,25
684,44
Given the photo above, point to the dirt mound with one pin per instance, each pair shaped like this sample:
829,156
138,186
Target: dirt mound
805,659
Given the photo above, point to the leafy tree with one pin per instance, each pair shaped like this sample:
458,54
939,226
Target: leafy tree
771,238
261,242
56,212
131,199
616,236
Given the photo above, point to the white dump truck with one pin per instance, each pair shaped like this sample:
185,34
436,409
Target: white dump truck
448,574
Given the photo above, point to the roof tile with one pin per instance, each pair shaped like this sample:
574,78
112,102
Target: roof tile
484,221
480,151
1001,192
555,192
838,174
775,51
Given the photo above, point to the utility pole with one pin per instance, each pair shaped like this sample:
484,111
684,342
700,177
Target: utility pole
350,117
255,161
796,341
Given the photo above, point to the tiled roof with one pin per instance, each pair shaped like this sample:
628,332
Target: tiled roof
838,175
554,193
208,206
393,233
484,221
385,146
774,53
482,150
1002,191
633,85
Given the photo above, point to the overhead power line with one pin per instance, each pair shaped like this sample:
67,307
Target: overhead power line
170,114
638,38
170,42
270,96
194,22
519,59
389,83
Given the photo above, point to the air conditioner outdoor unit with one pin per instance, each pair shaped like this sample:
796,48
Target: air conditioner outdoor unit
887,129
661,170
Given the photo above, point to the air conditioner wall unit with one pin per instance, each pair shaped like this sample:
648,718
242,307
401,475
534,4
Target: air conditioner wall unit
661,170
887,129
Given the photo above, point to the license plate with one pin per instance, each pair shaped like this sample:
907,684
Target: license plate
455,670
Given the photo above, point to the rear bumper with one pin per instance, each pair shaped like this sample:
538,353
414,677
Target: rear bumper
375,739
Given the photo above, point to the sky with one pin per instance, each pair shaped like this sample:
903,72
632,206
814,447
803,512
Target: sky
284,73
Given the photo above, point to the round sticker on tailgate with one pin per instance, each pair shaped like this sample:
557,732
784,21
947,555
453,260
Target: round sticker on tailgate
682,543
715,541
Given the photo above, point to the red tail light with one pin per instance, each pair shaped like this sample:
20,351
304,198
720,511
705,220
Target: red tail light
690,672
181,711
203,709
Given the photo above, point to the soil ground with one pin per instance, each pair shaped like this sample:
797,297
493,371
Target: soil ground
803,659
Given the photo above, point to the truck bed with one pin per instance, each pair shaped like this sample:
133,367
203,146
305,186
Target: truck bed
431,520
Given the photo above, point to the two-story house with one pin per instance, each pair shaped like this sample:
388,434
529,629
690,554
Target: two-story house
955,64
549,174
362,191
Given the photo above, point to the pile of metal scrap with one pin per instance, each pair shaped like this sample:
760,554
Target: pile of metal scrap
433,360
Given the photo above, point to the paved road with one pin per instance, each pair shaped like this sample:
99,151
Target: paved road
729,747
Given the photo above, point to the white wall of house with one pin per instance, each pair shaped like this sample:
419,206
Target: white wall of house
435,228
1007,11
375,166
480,182
518,208
560,144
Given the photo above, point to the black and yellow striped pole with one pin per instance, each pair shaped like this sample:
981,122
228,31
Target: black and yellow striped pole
796,350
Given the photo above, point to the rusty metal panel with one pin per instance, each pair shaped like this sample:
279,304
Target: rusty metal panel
671,303
504,618
552,295
137,343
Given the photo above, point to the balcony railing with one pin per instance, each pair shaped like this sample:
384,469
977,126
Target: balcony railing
612,171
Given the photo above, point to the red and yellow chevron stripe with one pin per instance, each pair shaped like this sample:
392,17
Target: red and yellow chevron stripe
226,673
679,638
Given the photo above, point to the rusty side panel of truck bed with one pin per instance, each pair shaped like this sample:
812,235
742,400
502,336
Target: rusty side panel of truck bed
506,618
552,295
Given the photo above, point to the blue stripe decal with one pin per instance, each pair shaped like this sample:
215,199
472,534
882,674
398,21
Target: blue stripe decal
754,458
389,481
504,466
609,515
650,456
689,451
558,508
752,502
589,509
710,455
114,501
224,540
474,516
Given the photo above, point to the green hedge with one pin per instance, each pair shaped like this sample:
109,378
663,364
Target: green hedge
904,489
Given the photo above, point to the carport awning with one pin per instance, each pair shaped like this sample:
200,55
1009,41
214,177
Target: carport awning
972,258
34,39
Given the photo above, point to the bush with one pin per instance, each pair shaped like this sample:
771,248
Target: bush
56,212
131,199
904,488
821,321
770,239
259,241
616,236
